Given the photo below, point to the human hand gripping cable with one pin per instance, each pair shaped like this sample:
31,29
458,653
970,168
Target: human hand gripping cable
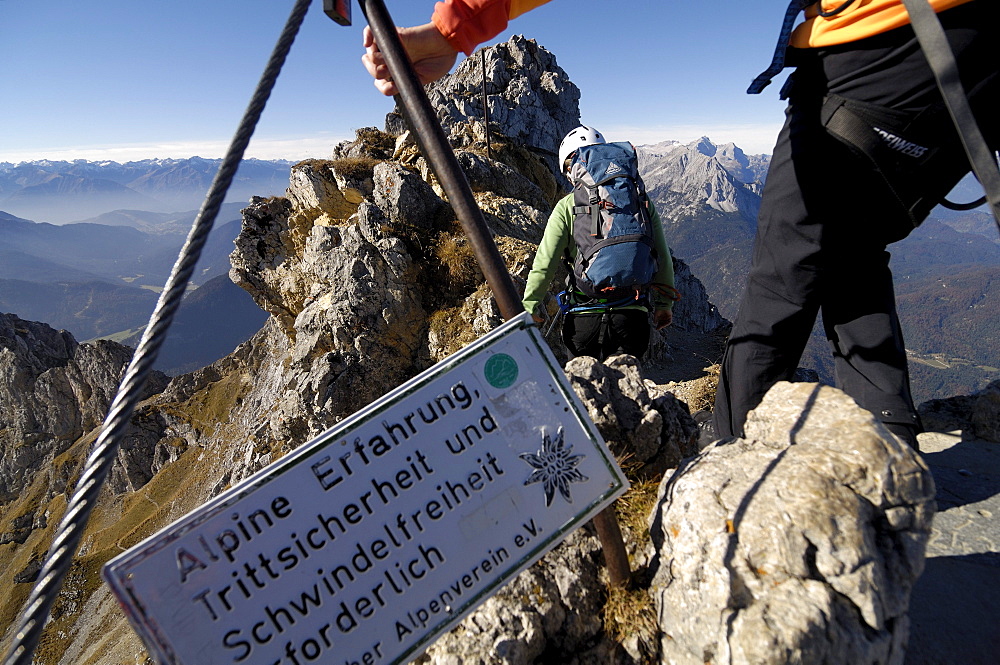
431,54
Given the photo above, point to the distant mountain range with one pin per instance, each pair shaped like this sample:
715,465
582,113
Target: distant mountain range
708,197
139,254
102,278
59,192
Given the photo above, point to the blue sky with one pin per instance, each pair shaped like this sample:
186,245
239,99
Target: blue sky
138,79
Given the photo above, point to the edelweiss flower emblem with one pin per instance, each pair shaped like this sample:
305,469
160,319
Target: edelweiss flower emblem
554,466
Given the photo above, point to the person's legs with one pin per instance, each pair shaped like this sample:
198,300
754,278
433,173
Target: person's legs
825,219
781,298
628,332
606,334
581,334
868,350
859,313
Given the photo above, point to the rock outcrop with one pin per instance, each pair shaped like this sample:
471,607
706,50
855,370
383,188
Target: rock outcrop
978,414
530,100
54,391
650,433
799,543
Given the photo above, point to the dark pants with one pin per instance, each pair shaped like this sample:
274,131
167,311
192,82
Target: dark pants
827,215
606,334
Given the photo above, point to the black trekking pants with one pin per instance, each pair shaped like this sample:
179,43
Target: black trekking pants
605,334
827,215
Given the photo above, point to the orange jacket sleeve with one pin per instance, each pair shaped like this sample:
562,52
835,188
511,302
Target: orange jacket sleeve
857,21
468,23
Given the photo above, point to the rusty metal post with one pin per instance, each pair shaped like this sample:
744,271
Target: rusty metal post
613,546
435,147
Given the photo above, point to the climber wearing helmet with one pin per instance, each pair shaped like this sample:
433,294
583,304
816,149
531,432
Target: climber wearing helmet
599,326
577,138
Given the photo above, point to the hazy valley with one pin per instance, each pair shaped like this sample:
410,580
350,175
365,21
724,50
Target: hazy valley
61,191
100,276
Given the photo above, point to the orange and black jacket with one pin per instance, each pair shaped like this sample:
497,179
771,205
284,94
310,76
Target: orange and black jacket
468,23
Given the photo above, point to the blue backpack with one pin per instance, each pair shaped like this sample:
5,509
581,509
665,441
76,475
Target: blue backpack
612,227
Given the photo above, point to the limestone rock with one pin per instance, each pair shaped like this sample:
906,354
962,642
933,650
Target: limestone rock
352,321
800,543
53,392
316,190
986,413
368,142
406,199
650,434
501,180
978,414
261,260
530,99
694,311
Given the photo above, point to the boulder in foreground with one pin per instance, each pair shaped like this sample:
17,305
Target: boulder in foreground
799,544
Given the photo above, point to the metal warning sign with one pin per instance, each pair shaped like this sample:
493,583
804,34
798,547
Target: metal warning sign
380,534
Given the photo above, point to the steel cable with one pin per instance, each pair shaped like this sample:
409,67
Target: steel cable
70,530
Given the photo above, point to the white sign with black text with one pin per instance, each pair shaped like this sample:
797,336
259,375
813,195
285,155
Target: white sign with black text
379,535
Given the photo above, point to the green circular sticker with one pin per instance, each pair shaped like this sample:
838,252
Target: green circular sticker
501,371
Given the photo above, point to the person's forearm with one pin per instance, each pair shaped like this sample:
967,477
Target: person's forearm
550,249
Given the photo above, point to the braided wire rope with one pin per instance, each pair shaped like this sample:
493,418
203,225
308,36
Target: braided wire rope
70,530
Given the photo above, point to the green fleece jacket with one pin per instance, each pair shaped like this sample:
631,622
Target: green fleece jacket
559,234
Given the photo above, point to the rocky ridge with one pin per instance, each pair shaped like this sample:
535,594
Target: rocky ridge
720,177
368,281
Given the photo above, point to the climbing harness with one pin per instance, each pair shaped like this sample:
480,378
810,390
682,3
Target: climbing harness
902,148
574,302
778,59
81,503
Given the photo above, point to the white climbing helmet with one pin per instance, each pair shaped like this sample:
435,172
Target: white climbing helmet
578,138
